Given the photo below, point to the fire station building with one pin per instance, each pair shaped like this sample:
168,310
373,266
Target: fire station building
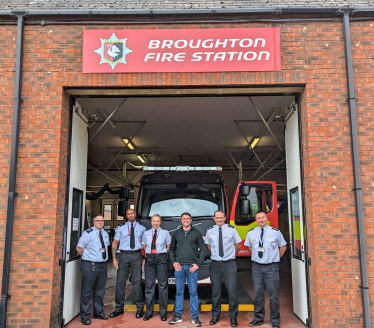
81,80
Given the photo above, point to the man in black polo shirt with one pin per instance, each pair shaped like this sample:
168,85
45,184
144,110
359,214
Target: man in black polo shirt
185,257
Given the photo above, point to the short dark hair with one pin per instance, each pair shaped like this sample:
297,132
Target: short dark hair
261,212
186,213
94,218
219,211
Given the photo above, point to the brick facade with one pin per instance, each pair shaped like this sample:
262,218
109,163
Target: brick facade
312,55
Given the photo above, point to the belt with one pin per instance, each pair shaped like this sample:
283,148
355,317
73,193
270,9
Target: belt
128,252
223,261
94,262
154,255
265,263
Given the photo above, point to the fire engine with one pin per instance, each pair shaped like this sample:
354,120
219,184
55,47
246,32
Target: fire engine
170,191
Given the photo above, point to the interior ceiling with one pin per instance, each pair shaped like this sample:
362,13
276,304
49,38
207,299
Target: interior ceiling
195,131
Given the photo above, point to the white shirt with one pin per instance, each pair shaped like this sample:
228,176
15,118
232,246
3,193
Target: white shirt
230,237
272,240
163,239
91,245
123,235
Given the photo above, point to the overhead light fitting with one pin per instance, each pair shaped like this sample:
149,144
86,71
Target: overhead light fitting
254,142
128,143
141,158
105,115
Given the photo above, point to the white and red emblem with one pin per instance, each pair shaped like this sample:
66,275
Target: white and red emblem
113,51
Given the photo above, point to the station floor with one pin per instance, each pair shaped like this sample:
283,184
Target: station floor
288,318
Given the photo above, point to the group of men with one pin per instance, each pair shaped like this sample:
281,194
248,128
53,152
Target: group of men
187,253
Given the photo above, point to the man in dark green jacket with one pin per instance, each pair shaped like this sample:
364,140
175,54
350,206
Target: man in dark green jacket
184,255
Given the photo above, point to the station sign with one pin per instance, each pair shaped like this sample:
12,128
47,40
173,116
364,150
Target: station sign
181,50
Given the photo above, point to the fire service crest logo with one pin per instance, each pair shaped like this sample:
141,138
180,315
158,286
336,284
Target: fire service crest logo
113,51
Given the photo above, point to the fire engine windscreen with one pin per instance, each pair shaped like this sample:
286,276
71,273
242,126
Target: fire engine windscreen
171,200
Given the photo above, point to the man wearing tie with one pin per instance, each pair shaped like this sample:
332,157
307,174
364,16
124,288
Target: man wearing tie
129,237
223,241
93,247
267,246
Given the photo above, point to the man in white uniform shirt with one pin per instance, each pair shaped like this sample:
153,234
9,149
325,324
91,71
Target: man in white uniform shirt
267,246
129,237
93,247
223,241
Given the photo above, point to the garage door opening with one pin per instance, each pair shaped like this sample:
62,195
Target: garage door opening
242,134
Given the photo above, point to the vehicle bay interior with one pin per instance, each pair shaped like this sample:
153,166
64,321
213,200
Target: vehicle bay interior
182,133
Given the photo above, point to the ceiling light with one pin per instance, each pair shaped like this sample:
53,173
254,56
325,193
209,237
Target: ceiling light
254,142
141,158
128,143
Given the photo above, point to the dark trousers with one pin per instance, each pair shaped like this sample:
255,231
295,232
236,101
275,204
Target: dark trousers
227,271
266,276
156,267
93,283
129,261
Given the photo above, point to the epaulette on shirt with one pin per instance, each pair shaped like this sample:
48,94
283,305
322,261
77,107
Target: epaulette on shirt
231,226
210,228
89,230
251,229
275,229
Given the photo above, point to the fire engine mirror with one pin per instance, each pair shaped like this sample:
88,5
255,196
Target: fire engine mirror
122,206
244,206
243,190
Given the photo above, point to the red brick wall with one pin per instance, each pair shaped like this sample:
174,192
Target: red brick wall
312,54
362,37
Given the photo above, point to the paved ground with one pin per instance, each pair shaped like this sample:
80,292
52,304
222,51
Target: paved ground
289,320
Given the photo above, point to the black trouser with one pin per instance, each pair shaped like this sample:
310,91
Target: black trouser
156,267
227,271
131,260
93,282
266,276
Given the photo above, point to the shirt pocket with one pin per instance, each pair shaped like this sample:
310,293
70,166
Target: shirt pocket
106,241
271,243
228,241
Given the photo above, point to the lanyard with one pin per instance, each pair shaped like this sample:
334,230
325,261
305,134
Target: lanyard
154,241
128,229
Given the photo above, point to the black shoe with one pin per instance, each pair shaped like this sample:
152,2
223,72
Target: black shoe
234,323
256,323
163,317
214,320
147,317
175,319
86,322
116,313
196,321
275,325
101,316
139,315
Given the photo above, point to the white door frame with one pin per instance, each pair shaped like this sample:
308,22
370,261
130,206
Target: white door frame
299,261
76,186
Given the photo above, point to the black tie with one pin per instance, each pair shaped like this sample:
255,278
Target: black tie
132,237
261,243
102,245
154,240
220,243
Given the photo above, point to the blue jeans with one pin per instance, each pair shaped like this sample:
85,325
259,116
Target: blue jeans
180,279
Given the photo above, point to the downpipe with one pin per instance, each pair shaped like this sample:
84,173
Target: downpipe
356,168
12,194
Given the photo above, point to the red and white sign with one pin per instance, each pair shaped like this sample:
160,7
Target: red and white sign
181,50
